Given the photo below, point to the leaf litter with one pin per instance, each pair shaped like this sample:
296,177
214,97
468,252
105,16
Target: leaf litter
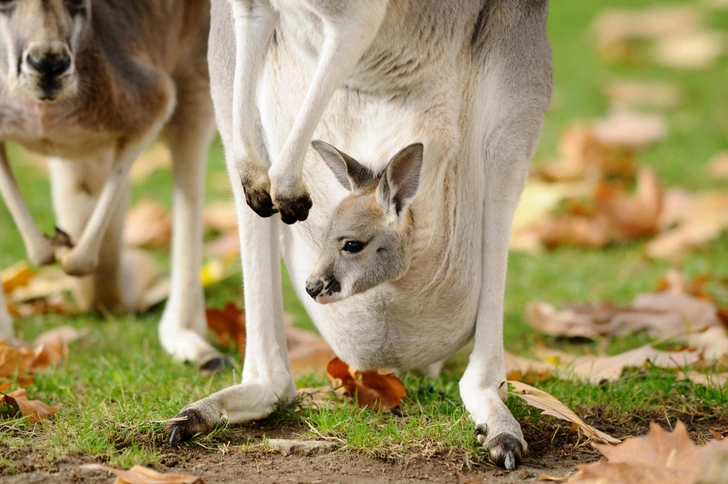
144,475
659,456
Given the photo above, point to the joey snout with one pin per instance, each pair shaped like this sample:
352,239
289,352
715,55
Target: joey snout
323,289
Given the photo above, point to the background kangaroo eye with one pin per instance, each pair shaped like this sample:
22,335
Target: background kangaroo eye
353,246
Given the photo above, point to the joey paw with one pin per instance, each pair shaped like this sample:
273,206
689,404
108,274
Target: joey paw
189,423
505,450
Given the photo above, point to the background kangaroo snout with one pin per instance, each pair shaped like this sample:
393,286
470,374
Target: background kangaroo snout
44,37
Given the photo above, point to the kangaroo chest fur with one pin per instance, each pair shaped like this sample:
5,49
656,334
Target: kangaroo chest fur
405,89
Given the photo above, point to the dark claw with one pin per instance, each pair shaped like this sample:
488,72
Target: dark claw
481,429
185,426
260,202
295,210
505,451
396,411
176,436
215,365
61,239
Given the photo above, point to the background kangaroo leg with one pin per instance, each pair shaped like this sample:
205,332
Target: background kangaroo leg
83,257
40,249
183,328
75,189
6,322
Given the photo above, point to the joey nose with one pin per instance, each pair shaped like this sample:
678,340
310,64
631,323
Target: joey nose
314,288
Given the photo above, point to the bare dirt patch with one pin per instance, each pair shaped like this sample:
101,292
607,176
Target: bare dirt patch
241,454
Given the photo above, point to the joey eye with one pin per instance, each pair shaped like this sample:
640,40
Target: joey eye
353,246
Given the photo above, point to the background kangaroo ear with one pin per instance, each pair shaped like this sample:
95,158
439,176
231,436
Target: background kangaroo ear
401,178
350,173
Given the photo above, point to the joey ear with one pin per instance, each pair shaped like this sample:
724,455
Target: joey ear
401,178
350,173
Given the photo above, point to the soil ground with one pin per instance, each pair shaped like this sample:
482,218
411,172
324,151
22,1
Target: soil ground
240,454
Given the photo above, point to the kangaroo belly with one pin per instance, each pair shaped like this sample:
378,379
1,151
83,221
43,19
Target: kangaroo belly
430,313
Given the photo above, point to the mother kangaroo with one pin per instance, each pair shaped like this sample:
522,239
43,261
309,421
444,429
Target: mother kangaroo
429,112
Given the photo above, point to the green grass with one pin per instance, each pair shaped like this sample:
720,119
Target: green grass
117,385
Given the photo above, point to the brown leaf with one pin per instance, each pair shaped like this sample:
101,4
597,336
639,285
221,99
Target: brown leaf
689,50
307,352
632,216
630,129
662,314
228,325
718,166
17,275
659,456
554,407
144,475
35,409
375,390
148,224
699,219
706,379
15,362
627,94
524,369
595,369
222,217
155,157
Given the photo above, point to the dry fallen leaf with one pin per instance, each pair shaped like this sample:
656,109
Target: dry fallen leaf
221,216
706,379
16,362
307,352
148,224
378,391
698,218
718,166
228,325
660,456
144,475
18,275
596,369
554,407
152,159
35,409
524,369
662,314
627,94
631,216
630,129
689,50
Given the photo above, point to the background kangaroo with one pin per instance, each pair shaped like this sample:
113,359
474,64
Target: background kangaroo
90,83
432,110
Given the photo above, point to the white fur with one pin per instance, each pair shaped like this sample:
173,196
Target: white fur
411,75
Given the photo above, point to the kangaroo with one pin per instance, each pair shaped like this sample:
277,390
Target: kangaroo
90,83
429,112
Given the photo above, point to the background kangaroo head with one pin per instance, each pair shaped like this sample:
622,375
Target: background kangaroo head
369,235
38,40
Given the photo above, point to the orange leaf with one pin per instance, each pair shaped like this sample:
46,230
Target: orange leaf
372,389
35,409
659,456
144,475
228,325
